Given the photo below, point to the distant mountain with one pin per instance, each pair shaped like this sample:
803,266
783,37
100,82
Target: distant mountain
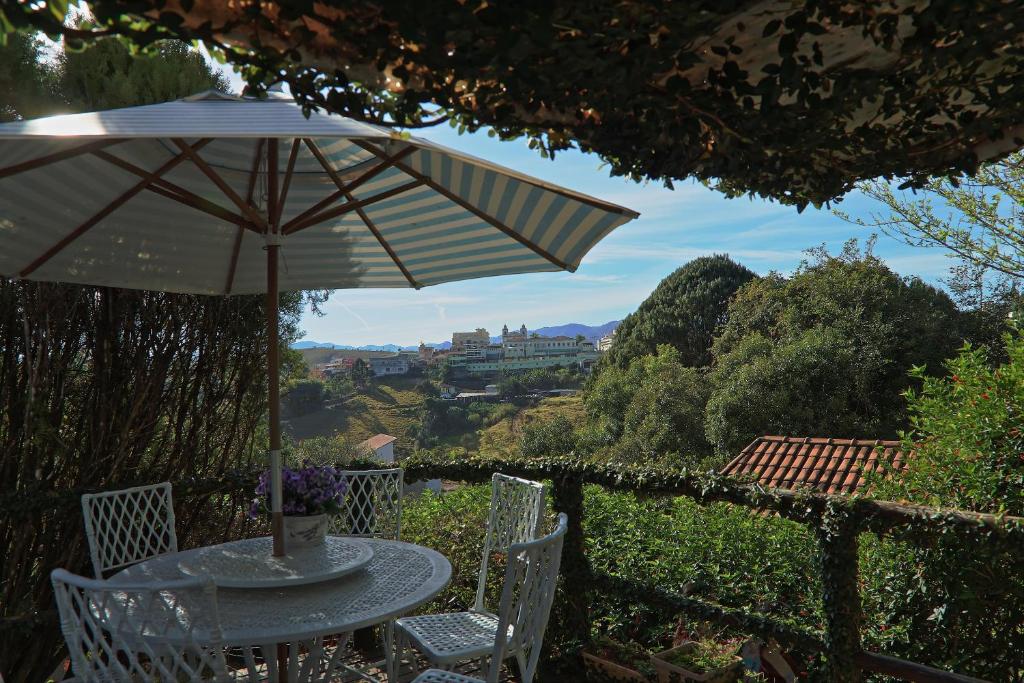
591,332
393,348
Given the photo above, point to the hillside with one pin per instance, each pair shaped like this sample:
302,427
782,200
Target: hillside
391,407
502,438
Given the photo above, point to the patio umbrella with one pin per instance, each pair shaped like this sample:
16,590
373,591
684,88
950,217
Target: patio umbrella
216,194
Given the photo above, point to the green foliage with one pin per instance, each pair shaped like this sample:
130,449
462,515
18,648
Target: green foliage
26,89
302,396
754,102
809,385
361,374
171,70
957,602
684,311
665,417
720,554
827,351
551,437
968,434
654,409
520,382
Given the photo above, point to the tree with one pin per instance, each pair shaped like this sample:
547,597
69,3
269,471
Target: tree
665,417
26,88
99,386
827,351
798,102
684,311
981,220
956,601
361,373
810,385
653,410
980,223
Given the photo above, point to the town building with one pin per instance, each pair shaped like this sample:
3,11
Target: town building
518,350
380,447
389,365
605,342
471,344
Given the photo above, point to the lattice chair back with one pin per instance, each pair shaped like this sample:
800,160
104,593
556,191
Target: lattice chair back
526,598
128,526
517,511
373,504
165,632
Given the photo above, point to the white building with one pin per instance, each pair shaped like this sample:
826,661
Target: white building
379,447
389,365
605,342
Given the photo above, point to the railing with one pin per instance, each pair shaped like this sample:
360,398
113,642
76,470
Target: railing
836,521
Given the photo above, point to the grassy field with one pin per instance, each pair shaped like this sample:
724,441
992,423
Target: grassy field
390,407
502,438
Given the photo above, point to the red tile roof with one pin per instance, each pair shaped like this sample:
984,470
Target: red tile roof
378,441
825,465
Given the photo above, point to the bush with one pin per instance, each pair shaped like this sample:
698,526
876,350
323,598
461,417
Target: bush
951,601
303,396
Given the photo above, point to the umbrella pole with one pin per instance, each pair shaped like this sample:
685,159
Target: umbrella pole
273,380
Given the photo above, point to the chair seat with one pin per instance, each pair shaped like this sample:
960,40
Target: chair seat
438,676
452,637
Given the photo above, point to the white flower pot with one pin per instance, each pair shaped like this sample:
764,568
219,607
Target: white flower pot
304,531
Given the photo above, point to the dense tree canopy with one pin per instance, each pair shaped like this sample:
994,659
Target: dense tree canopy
827,350
684,311
793,100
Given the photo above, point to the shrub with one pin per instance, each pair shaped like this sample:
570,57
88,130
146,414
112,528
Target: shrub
952,601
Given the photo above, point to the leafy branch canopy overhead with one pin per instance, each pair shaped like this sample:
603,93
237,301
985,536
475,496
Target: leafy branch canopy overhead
795,100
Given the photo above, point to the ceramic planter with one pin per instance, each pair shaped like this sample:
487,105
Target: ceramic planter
304,531
669,672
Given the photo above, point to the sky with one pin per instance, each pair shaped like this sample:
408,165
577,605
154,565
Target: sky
675,226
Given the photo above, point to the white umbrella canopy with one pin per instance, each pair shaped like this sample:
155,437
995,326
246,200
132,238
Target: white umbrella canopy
216,194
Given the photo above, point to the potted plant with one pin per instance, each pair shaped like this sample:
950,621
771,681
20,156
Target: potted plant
609,660
699,660
310,495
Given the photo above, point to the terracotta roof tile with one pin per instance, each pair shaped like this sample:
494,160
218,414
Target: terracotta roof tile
825,465
378,441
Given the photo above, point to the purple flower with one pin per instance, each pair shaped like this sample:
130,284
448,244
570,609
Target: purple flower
309,490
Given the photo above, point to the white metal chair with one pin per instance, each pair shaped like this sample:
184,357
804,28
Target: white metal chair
127,526
516,515
166,632
373,505
516,630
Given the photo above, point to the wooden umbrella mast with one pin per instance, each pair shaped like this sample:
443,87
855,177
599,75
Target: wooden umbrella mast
273,353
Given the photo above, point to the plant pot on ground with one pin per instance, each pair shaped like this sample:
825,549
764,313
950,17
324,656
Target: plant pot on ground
699,660
610,660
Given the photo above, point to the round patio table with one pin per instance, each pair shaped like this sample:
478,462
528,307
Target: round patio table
399,578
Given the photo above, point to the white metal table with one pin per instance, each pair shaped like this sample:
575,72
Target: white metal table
399,578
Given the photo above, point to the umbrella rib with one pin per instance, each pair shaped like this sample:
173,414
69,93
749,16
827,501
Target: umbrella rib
166,188
476,211
221,184
101,214
362,214
337,194
348,207
56,156
292,157
271,183
253,175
